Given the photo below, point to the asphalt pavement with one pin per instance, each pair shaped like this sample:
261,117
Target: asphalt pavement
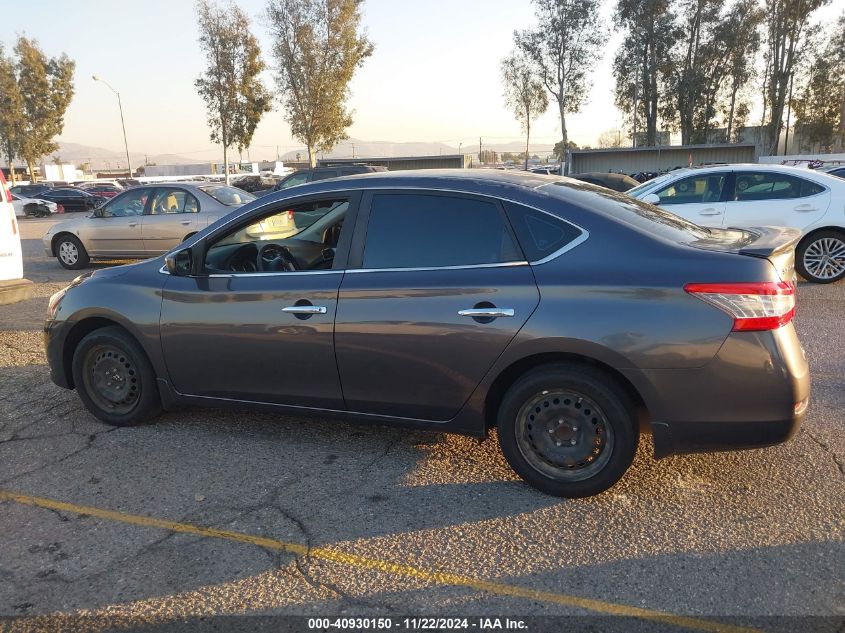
219,513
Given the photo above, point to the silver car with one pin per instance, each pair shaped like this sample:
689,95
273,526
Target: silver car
142,222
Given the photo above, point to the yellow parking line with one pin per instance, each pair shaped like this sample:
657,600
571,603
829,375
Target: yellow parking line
397,569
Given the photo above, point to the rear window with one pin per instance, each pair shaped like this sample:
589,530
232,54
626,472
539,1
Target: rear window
633,212
230,196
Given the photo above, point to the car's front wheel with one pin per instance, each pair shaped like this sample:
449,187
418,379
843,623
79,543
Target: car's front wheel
820,257
71,253
568,430
114,378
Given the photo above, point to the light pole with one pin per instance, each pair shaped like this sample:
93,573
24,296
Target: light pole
123,125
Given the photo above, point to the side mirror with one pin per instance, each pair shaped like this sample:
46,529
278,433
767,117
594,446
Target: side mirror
652,198
179,263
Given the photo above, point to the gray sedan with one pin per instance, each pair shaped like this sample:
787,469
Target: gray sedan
142,222
565,315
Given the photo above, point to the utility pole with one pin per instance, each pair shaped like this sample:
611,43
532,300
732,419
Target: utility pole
480,160
353,151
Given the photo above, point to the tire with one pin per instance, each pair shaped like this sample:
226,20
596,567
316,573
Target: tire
114,378
568,430
70,253
820,257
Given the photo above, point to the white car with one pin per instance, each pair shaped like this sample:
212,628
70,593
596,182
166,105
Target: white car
11,255
33,207
747,196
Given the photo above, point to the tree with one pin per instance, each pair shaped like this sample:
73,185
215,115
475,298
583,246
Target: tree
37,91
11,109
563,47
643,62
234,96
488,156
820,106
525,94
559,150
786,25
317,46
740,32
610,138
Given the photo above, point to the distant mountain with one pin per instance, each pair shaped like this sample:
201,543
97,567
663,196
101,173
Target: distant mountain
378,149
102,158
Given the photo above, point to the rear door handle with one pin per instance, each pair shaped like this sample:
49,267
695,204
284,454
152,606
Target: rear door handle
710,211
305,310
133,224
184,222
486,312
806,208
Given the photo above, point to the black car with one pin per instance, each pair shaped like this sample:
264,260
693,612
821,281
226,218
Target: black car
30,191
304,176
838,171
255,184
616,182
73,199
565,315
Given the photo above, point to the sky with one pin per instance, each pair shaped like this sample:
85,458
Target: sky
434,74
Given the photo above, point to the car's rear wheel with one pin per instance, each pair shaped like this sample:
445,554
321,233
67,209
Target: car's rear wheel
114,378
70,253
568,430
820,257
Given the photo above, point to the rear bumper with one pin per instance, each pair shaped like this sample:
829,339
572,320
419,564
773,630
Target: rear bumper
754,393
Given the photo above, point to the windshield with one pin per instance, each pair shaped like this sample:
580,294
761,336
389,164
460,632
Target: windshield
230,196
648,184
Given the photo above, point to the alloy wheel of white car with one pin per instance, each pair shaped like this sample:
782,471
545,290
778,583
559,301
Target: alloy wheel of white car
824,258
68,253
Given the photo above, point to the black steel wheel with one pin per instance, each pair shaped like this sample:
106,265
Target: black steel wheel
114,378
568,430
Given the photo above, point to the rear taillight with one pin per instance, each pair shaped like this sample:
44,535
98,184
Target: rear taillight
754,306
290,215
60,208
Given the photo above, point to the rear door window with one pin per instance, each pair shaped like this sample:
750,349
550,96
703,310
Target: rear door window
753,186
322,174
424,231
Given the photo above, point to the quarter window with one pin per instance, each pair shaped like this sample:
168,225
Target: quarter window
699,189
751,186
539,234
421,231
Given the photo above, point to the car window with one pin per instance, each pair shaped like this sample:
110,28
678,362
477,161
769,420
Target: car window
540,234
421,231
322,174
698,189
173,201
294,180
753,186
230,196
129,204
69,193
265,244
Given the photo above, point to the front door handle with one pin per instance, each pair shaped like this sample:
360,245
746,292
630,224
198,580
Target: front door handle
710,211
133,224
305,310
184,222
486,313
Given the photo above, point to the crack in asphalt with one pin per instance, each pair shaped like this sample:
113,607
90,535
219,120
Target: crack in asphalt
837,459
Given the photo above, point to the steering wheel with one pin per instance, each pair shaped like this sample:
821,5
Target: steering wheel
274,257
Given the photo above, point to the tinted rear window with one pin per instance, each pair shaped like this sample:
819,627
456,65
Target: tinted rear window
540,234
621,206
421,231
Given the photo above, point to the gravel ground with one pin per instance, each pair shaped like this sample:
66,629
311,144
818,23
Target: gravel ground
737,535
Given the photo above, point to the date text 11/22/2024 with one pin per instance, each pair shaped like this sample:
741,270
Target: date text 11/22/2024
416,624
